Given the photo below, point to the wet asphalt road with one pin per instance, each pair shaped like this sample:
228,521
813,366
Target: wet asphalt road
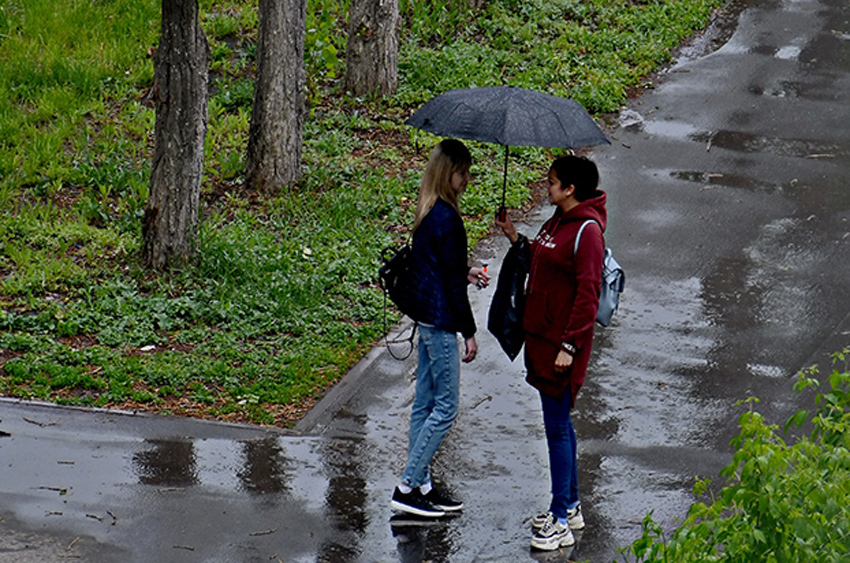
729,211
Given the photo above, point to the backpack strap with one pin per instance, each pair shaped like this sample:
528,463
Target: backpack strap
578,236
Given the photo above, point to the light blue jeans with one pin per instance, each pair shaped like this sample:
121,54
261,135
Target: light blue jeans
563,466
435,405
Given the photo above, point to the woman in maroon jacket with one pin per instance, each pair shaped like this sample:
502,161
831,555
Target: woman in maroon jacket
562,299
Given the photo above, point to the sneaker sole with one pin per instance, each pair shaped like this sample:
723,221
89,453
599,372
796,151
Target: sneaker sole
453,508
417,511
407,520
553,545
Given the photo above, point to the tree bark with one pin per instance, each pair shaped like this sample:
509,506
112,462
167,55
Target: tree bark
181,85
371,59
273,158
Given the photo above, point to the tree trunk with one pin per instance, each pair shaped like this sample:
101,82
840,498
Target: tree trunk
371,59
275,136
181,84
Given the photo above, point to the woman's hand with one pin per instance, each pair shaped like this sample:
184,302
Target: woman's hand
479,277
563,362
471,349
507,227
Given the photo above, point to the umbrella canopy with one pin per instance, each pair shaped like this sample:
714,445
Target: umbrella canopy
508,115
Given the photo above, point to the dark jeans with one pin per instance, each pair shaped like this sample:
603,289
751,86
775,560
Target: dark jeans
561,438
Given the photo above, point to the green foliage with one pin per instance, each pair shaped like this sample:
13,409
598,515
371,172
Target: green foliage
324,45
283,297
781,502
593,52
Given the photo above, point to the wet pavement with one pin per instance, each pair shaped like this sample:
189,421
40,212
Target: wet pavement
729,211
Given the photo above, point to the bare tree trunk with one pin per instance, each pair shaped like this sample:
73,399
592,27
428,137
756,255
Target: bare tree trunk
371,59
181,84
277,118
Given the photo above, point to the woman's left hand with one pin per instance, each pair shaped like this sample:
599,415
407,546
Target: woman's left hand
563,362
471,349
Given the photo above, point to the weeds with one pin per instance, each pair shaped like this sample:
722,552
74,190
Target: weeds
283,299
782,502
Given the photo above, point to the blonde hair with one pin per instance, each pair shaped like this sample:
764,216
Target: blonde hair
448,157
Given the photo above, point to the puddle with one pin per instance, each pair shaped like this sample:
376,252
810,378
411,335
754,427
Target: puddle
752,143
672,128
167,463
788,53
711,180
718,33
762,370
784,89
265,468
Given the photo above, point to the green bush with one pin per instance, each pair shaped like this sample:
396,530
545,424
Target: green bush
781,502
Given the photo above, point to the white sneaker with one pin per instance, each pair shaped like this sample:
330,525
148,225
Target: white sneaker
541,520
574,519
552,536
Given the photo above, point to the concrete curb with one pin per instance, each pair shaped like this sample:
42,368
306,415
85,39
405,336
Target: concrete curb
346,387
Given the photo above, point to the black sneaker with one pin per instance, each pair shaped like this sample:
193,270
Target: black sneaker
443,501
414,503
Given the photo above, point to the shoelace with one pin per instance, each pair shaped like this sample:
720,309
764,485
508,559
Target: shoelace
548,526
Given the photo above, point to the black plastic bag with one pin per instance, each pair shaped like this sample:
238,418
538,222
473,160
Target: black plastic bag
504,320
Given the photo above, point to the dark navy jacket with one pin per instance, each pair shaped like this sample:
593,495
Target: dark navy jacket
440,271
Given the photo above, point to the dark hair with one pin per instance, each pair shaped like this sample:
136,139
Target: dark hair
579,171
457,153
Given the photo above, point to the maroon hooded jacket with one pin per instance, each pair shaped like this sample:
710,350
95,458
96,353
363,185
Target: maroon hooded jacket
563,295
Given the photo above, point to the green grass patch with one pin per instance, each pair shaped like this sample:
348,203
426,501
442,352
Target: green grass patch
283,298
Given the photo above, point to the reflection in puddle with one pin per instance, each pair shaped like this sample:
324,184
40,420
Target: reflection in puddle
767,50
675,129
789,52
169,463
422,542
764,370
346,462
265,467
725,180
750,143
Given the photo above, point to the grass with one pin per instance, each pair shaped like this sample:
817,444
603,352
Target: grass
283,299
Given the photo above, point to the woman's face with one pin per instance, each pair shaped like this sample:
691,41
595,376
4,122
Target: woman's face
460,179
554,185
559,194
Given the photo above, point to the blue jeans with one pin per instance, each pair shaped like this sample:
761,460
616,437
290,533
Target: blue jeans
563,467
435,405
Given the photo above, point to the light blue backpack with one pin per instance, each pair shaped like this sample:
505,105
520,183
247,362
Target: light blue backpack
613,282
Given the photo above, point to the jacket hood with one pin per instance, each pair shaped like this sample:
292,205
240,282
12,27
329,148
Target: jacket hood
593,208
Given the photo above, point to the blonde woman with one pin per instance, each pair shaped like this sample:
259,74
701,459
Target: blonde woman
442,275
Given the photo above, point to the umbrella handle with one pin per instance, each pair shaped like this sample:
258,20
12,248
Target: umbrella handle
504,182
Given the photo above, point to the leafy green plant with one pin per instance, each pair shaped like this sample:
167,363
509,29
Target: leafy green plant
781,502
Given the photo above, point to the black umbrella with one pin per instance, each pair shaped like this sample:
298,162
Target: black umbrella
508,115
